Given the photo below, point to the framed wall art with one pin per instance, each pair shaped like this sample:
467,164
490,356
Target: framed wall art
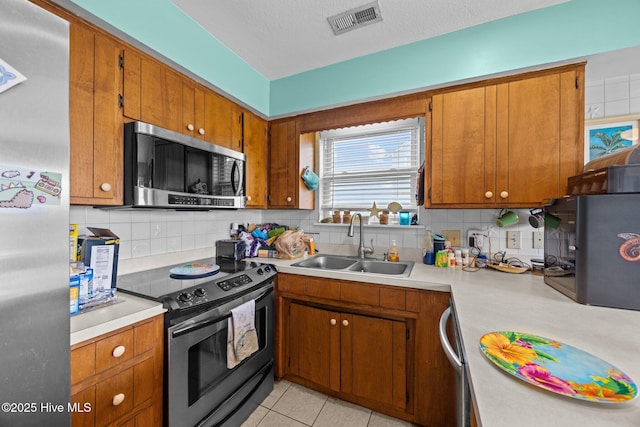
610,134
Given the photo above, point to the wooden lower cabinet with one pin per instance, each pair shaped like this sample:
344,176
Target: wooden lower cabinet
373,345
350,353
116,379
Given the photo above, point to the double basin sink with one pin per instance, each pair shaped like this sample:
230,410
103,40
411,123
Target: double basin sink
356,265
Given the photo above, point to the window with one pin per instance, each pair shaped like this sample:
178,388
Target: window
363,164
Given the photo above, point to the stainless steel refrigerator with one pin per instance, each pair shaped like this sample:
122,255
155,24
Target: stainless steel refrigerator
34,216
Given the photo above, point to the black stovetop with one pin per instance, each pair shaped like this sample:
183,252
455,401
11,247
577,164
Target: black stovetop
234,277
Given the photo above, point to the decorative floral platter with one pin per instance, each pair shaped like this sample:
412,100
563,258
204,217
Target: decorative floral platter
194,271
557,367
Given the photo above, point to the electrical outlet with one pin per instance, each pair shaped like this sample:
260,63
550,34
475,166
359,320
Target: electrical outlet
513,240
453,236
475,239
538,240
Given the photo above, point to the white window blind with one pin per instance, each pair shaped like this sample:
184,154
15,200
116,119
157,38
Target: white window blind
363,164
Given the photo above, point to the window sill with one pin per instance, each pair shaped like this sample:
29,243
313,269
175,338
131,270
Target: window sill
394,225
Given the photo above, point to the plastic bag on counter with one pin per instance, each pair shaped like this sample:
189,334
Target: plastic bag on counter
290,244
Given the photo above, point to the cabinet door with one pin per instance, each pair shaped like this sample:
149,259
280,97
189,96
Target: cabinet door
314,345
374,359
535,119
255,148
160,95
237,128
192,110
101,153
81,67
218,123
463,146
282,161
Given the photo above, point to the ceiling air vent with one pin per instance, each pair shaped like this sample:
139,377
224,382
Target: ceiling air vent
355,18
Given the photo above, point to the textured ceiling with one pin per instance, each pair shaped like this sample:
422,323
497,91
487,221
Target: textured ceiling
284,37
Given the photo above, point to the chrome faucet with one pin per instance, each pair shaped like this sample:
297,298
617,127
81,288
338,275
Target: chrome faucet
362,249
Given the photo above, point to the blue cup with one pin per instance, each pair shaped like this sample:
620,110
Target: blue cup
404,218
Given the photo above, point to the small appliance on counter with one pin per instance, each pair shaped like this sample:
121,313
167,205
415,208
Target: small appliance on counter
231,249
592,249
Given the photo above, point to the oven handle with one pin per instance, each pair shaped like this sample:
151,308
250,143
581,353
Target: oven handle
206,322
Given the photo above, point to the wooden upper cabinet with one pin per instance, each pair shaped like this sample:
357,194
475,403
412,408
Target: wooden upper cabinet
152,91
160,95
256,150
539,137
513,143
223,121
463,146
289,153
96,125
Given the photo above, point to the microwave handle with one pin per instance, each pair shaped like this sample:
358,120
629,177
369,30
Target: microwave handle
236,178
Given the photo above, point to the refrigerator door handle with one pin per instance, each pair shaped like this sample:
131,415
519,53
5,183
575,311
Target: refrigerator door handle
454,359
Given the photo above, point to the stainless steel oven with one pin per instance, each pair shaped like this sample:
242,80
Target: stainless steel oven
198,380
200,390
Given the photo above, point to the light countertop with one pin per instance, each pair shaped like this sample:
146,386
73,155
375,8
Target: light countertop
126,311
489,301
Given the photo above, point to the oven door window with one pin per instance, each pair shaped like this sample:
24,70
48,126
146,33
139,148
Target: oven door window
207,359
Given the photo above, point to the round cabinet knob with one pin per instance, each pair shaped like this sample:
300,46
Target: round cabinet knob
289,199
333,322
201,131
118,351
118,399
488,194
504,194
248,198
190,127
345,322
105,186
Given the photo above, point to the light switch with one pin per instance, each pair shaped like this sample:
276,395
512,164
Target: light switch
513,240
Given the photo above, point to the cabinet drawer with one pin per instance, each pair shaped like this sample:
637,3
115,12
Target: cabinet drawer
83,363
113,350
114,397
84,402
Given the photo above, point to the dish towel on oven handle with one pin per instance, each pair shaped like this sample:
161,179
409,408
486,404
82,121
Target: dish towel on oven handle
242,338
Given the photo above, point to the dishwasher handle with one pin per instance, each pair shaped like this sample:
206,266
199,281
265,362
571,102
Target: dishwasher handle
454,359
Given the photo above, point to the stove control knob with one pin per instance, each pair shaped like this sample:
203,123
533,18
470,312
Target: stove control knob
260,272
267,268
185,297
200,292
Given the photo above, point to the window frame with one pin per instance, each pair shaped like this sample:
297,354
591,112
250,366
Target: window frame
415,123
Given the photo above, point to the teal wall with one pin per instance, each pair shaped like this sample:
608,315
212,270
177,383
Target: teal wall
574,29
570,30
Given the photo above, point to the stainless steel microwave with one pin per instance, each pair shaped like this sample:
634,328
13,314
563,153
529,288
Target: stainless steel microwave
165,169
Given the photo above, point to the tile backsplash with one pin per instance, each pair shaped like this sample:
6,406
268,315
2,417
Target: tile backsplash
155,232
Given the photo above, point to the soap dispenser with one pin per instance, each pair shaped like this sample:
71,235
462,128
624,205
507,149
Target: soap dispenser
393,252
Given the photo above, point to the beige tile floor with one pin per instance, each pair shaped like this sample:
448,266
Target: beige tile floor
291,405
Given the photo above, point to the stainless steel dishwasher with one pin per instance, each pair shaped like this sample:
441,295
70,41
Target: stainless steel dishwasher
457,358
